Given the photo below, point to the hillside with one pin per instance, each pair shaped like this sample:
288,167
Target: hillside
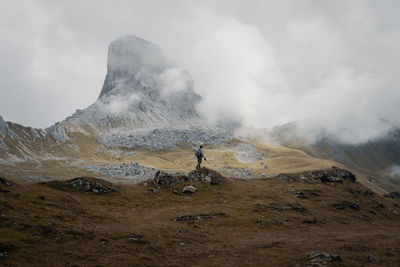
270,221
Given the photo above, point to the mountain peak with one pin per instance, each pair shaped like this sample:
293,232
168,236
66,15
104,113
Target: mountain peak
131,58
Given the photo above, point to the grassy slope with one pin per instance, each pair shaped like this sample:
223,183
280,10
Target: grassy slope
136,226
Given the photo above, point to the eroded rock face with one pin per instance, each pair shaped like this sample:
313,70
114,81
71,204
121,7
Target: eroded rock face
131,56
206,176
94,185
58,132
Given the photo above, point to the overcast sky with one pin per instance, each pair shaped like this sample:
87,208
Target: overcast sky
331,64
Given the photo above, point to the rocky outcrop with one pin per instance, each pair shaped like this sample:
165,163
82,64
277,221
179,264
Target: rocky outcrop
58,133
206,176
132,57
93,185
163,179
332,175
141,90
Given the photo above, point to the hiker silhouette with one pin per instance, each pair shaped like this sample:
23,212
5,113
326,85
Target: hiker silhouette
200,155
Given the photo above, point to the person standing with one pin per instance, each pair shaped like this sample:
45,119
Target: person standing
200,155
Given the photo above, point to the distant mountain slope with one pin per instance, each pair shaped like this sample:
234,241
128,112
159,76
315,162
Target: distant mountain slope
374,158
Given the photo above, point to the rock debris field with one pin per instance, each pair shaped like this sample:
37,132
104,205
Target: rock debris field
131,170
161,138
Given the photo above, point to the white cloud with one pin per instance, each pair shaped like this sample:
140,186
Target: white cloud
331,65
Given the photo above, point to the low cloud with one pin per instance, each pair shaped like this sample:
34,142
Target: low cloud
331,66
394,171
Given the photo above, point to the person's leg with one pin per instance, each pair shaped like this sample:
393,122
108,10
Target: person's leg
198,163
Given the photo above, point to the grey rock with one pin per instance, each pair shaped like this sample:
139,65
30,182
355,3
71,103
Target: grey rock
131,170
58,133
139,90
94,185
247,153
165,137
372,259
3,254
323,258
186,218
189,189
330,179
206,176
163,179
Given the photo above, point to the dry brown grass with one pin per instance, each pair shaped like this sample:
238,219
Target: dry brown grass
136,226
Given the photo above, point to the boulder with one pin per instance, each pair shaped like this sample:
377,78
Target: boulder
323,258
163,179
372,259
206,176
189,189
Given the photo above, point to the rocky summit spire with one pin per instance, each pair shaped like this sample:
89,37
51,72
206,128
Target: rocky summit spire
131,60
142,89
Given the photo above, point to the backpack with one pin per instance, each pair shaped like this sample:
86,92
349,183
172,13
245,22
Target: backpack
198,152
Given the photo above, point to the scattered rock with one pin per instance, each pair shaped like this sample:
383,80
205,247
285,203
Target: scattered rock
206,176
5,182
310,221
186,218
323,258
294,206
163,179
267,223
90,184
330,179
77,228
247,153
395,194
286,177
344,204
161,138
130,170
189,189
3,254
333,175
372,259
305,179
306,193
365,193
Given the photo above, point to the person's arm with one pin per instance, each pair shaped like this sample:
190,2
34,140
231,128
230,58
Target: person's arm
204,156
